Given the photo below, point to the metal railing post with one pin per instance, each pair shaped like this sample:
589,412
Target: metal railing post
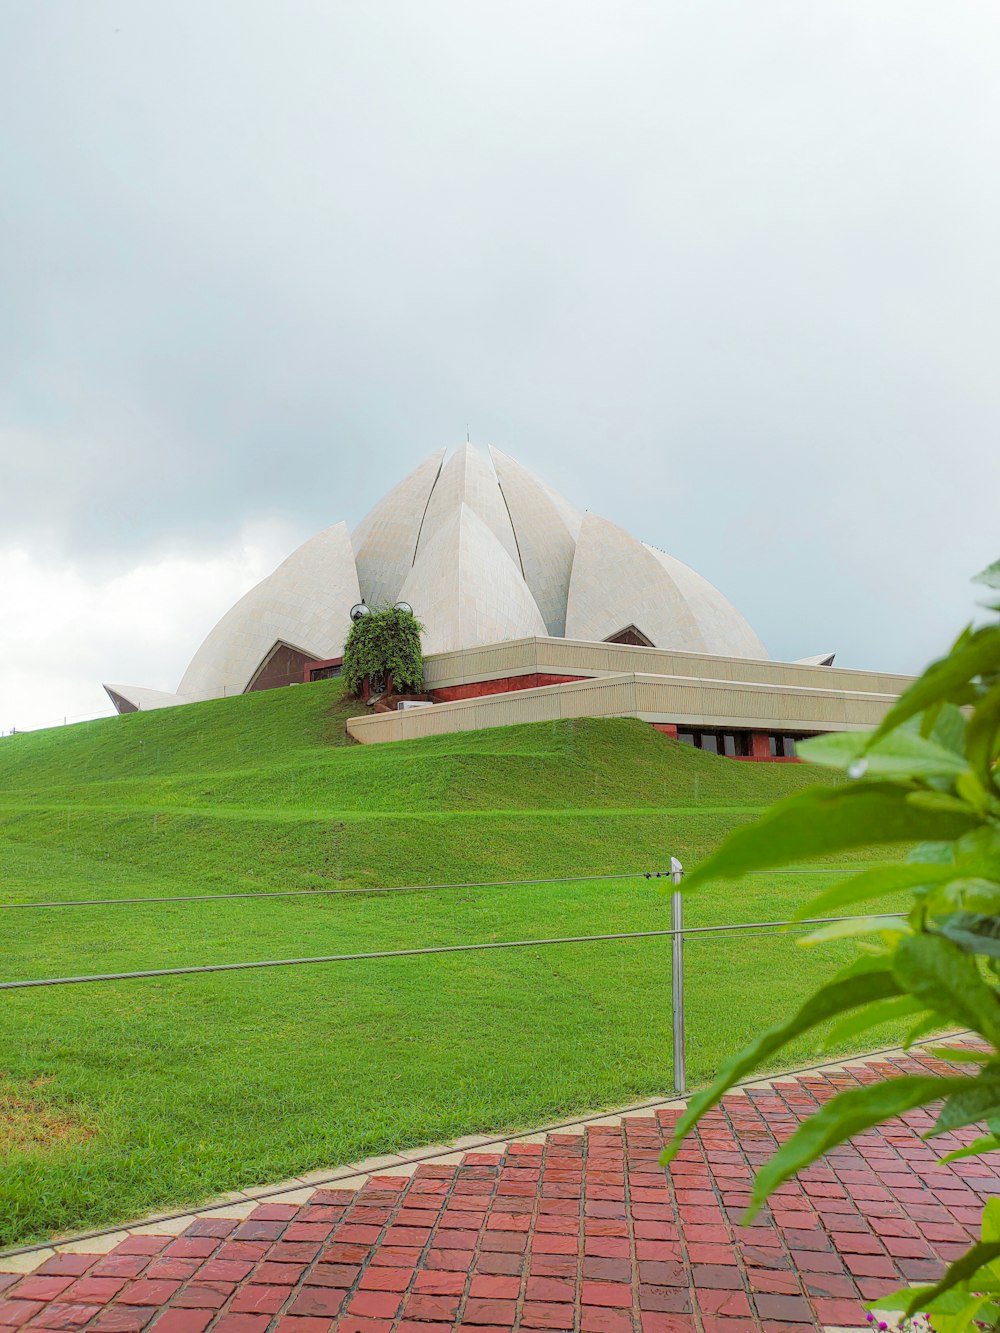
677,974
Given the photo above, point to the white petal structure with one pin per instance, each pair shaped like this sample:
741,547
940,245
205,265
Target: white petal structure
140,699
484,552
546,527
385,541
305,604
466,588
467,478
723,630
618,585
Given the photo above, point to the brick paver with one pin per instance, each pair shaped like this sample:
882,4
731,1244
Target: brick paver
581,1232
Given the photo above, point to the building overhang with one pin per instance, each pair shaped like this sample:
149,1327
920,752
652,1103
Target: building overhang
614,680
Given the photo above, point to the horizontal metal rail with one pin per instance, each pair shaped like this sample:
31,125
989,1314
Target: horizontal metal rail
306,893
759,926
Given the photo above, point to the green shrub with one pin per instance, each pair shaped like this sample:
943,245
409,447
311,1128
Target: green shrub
385,642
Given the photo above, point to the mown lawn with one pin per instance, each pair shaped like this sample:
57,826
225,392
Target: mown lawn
118,1098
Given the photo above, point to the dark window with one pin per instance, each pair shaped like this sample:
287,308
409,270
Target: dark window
326,673
731,743
782,747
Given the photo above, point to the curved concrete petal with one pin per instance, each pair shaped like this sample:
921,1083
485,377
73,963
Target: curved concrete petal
385,541
723,629
617,582
467,590
306,603
467,478
546,528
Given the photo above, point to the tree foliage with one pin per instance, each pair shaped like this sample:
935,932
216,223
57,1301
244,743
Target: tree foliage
928,775
385,642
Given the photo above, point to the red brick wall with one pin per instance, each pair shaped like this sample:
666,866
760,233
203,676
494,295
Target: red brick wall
501,685
767,758
286,666
668,728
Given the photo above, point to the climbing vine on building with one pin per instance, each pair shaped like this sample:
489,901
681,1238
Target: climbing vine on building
382,643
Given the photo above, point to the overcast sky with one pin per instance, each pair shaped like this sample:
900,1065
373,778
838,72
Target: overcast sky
726,273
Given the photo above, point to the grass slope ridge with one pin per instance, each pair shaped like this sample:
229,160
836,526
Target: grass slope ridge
179,1088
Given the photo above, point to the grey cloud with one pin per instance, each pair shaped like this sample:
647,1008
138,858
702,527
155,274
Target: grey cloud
726,273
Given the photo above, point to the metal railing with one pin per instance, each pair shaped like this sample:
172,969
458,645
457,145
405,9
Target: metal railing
676,934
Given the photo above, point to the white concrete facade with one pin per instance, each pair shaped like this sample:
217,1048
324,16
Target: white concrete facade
467,587
485,553
720,626
385,541
546,527
679,700
468,479
304,603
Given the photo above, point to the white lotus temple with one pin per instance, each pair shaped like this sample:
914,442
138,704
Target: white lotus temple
490,557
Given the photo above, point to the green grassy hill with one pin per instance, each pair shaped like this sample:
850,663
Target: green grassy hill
118,1098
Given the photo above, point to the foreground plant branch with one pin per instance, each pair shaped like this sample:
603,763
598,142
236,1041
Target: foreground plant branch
927,775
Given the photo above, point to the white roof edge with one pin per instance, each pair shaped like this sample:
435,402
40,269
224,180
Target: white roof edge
143,699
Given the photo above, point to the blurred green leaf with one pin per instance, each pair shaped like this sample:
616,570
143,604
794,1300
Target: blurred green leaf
949,728
933,1022
971,790
957,1312
856,926
931,854
866,980
950,1306
962,1270
971,894
962,1054
938,801
972,933
982,845
873,1015
978,1100
979,653
903,754
847,1114
822,819
988,1143
984,735
989,1228
948,981
876,883
990,575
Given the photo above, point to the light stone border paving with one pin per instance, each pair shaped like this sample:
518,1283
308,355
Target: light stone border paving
239,1204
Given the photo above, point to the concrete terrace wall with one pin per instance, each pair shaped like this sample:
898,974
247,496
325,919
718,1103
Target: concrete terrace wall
687,700
577,657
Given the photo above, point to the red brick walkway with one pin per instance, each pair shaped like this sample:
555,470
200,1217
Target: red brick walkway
582,1231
